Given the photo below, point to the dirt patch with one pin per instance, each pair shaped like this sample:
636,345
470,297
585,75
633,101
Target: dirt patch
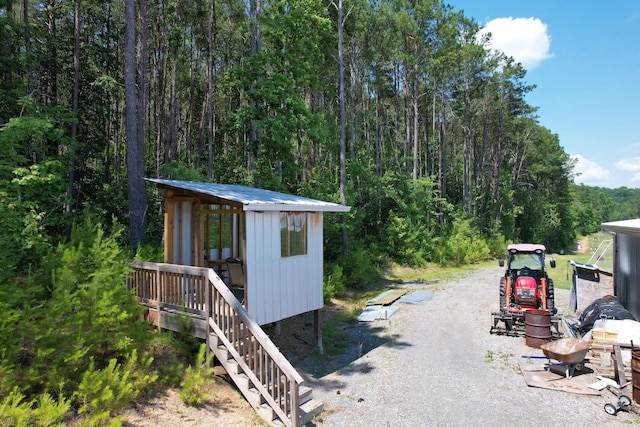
225,407
295,337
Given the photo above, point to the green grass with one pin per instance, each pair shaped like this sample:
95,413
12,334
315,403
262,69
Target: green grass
432,274
595,243
335,338
561,275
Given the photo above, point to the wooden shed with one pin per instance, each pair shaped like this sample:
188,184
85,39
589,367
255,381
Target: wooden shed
626,263
267,246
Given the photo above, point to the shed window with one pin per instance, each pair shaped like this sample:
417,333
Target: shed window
221,227
293,233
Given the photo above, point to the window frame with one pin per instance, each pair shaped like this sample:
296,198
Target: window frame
294,242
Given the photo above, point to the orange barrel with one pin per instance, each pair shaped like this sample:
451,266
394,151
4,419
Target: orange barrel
635,374
537,330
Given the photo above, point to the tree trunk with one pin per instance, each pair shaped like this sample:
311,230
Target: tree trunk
8,47
442,172
416,148
343,143
254,43
210,103
68,208
135,148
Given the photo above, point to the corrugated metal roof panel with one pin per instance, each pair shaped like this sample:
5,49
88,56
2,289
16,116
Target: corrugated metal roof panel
374,312
253,199
418,297
629,226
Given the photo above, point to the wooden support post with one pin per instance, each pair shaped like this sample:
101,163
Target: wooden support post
158,296
317,329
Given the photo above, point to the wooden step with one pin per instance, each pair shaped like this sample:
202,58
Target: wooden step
304,395
309,410
306,413
308,407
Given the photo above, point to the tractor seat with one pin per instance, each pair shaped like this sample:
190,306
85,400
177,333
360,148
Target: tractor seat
524,272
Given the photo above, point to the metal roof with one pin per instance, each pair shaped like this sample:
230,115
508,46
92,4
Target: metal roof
253,199
526,247
629,226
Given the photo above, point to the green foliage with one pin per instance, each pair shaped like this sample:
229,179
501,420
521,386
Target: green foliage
103,392
42,411
89,306
32,193
544,195
66,331
196,378
334,337
358,268
334,281
594,205
180,171
464,245
408,242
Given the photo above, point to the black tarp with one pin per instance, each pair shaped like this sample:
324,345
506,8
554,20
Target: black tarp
607,307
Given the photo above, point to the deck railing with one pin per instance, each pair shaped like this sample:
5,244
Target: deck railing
201,291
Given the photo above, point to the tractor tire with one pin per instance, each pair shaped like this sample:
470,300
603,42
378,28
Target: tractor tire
503,293
551,300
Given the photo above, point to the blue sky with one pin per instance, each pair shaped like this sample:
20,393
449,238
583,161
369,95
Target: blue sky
584,57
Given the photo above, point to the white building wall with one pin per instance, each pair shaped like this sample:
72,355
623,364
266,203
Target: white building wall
278,288
626,275
182,234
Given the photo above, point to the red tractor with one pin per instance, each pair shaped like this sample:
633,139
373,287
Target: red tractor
525,286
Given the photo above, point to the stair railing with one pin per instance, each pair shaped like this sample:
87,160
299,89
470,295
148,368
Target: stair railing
268,370
201,291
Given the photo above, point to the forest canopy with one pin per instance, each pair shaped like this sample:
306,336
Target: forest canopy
396,108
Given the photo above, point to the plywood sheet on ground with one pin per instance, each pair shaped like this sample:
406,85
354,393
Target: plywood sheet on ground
387,297
536,375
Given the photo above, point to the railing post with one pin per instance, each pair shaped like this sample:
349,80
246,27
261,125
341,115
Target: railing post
295,406
158,288
207,306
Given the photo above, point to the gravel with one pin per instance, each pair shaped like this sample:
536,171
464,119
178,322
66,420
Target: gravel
437,364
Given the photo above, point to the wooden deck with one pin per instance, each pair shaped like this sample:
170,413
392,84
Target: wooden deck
265,377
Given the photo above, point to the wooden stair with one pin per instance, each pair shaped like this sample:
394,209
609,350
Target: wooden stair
264,376
308,407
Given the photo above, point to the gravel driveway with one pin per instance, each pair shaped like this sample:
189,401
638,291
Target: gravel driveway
436,364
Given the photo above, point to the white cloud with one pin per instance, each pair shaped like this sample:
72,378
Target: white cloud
525,39
631,165
587,171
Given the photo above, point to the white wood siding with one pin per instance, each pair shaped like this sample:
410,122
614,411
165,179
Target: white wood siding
182,234
278,288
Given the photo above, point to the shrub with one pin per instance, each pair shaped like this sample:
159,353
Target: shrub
103,392
43,411
465,245
358,268
407,241
196,377
334,282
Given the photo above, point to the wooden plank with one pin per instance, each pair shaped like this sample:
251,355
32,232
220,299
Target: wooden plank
387,297
617,357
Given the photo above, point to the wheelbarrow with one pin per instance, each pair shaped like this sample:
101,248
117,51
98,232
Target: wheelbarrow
570,352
